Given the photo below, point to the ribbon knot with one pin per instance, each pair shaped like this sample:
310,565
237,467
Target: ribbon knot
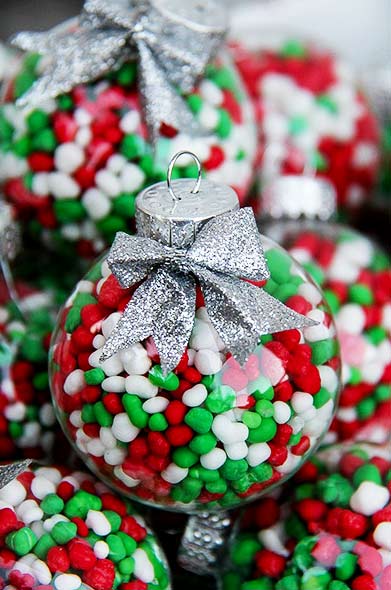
172,39
227,253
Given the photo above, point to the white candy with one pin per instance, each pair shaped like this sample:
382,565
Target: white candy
369,498
130,482
290,464
82,117
302,401
382,535
42,486
123,429
328,378
229,432
29,511
75,419
49,523
114,384
155,404
318,332
135,360
108,183
75,382
46,415
202,336
258,453
115,163
141,386
115,456
98,341
130,121
195,396
98,522
83,136
143,568
40,184
342,269
132,178
350,319
101,549
236,451
68,157
42,572
95,447
110,323
50,473
67,582
282,412
214,459
311,293
15,412
271,539
63,186
107,437
174,474
96,203
208,362
211,92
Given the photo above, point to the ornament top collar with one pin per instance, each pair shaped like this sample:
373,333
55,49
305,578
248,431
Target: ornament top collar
172,39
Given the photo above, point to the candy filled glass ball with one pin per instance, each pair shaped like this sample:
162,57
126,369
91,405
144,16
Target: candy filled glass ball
211,433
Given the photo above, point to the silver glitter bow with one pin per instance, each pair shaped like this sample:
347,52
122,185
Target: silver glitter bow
226,253
173,39
9,472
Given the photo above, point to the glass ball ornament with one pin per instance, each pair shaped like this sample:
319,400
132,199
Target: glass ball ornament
329,528
27,420
355,276
73,165
211,433
311,114
63,529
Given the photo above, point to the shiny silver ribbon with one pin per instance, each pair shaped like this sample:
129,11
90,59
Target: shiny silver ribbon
226,254
173,39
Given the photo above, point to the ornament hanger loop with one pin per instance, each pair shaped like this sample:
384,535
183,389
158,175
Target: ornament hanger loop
171,165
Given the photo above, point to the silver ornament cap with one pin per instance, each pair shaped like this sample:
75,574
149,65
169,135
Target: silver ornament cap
173,212
293,197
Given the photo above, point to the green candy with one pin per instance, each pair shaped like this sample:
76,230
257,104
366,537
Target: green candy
367,472
221,399
361,294
251,419
73,319
21,541
264,408
234,470
45,140
366,408
224,126
290,582
132,146
94,376
52,504
345,565
323,351
332,300
244,550
327,102
117,550
81,503
37,120
315,578
88,414
383,392
169,382
265,432
203,443
128,542
279,265
126,566
293,48
184,457
217,487
199,419
63,532
258,584
157,422
43,545
68,210
133,407
195,103
262,472
103,417
321,398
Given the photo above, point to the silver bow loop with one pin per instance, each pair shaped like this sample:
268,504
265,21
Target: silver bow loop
174,41
227,250
231,244
10,471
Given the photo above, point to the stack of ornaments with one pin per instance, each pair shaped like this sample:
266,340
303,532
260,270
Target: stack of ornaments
197,365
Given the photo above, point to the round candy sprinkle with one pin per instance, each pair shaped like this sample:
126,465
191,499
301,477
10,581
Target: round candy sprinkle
211,434
311,116
355,276
63,530
330,529
73,166
27,420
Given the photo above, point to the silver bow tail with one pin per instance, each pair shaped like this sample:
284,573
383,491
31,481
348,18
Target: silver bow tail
226,254
11,471
174,40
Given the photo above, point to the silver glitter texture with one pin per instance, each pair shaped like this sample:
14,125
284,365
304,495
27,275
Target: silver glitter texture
174,41
9,472
227,252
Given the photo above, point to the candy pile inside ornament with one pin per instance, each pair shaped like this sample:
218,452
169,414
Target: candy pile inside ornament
72,166
210,433
311,116
63,530
355,276
331,528
27,421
